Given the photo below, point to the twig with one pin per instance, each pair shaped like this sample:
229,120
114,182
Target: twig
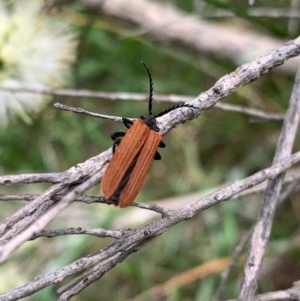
18,197
28,214
292,187
149,231
96,274
42,202
292,294
88,113
234,259
266,12
259,114
227,192
262,229
31,178
79,93
78,230
254,113
15,242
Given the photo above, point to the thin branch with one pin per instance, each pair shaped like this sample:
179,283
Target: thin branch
263,226
234,260
31,210
78,230
27,215
149,231
19,197
14,243
231,82
88,199
291,294
97,273
75,93
87,113
254,113
114,96
259,12
292,188
31,178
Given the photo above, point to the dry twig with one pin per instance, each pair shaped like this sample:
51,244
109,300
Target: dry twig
262,229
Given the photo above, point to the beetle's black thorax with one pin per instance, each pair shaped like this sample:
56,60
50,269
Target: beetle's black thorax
150,120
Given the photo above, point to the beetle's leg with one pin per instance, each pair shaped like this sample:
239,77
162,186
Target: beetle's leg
161,144
116,143
116,137
157,156
127,122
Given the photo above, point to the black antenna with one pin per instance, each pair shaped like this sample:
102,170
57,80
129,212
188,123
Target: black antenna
151,89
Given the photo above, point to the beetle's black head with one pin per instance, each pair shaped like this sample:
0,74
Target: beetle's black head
150,120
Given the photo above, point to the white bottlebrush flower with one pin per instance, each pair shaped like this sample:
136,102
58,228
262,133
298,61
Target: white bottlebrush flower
36,51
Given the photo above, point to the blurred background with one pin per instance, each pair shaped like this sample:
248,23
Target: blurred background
187,45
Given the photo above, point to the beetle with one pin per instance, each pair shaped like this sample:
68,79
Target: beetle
133,153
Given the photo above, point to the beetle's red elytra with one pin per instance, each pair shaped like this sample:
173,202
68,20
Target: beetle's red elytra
127,170
133,153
